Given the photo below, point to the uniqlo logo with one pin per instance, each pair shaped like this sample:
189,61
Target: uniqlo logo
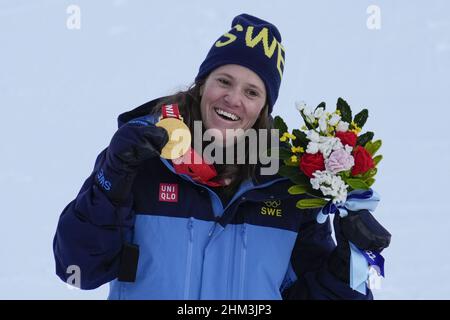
168,192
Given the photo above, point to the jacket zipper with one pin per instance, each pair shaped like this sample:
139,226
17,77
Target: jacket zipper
231,267
243,258
187,280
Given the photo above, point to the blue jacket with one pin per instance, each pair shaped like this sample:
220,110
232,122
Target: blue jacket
260,246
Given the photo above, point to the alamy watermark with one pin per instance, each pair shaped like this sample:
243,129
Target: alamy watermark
374,19
237,146
74,279
73,21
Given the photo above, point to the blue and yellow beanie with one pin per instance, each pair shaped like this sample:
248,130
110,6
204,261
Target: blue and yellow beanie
252,43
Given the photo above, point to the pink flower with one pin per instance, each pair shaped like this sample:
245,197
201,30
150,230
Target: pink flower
339,160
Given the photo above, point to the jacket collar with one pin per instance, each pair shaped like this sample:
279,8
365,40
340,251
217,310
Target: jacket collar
141,111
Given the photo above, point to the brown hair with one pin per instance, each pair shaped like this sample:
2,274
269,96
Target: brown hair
189,105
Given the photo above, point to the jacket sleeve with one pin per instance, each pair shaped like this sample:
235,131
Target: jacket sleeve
90,234
309,259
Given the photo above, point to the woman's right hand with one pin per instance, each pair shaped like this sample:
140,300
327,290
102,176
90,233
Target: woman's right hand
132,144
135,142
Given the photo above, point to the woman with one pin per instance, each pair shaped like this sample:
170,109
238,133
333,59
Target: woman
161,229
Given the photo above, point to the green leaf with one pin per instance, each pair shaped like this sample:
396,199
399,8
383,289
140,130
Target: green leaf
301,140
279,124
280,153
377,159
308,125
297,189
315,193
344,108
301,179
356,184
288,171
365,138
361,118
311,203
288,162
284,153
345,174
369,174
370,181
321,105
294,174
373,147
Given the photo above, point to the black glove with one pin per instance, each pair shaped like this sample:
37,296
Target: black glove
131,145
366,233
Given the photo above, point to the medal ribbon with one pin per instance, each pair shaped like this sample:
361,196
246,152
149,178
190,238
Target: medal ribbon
191,163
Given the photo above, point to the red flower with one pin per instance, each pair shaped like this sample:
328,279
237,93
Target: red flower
347,137
363,161
310,163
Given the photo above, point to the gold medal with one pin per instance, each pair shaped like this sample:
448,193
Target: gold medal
179,138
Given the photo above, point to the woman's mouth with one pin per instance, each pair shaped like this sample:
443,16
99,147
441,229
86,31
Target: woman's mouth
226,115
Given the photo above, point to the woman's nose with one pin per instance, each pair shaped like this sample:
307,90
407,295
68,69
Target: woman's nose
233,98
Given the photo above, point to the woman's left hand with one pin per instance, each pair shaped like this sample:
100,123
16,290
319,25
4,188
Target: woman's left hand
364,231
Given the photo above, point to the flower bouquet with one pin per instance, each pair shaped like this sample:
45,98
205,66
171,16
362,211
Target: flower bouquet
329,157
332,160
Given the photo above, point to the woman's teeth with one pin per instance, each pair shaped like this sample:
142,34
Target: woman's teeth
226,115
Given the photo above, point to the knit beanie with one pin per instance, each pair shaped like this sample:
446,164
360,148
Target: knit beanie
252,43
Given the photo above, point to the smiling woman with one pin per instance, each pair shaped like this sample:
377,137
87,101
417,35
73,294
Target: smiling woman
232,98
162,227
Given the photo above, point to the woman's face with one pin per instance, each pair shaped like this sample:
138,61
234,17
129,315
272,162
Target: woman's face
232,98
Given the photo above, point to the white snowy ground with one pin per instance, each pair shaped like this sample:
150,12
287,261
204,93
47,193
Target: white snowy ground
61,90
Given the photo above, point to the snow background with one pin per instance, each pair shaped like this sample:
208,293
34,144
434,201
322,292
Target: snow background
61,91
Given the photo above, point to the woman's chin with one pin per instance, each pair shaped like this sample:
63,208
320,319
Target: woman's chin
224,142
224,136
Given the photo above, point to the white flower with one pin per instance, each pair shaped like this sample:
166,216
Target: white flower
342,193
342,126
315,182
323,123
300,105
330,185
319,112
313,145
321,143
313,136
309,116
312,148
329,144
334,119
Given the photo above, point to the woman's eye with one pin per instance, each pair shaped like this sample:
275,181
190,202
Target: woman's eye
223,81
252,93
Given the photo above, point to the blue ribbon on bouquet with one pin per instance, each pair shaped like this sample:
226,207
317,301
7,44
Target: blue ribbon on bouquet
356,200
359,259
